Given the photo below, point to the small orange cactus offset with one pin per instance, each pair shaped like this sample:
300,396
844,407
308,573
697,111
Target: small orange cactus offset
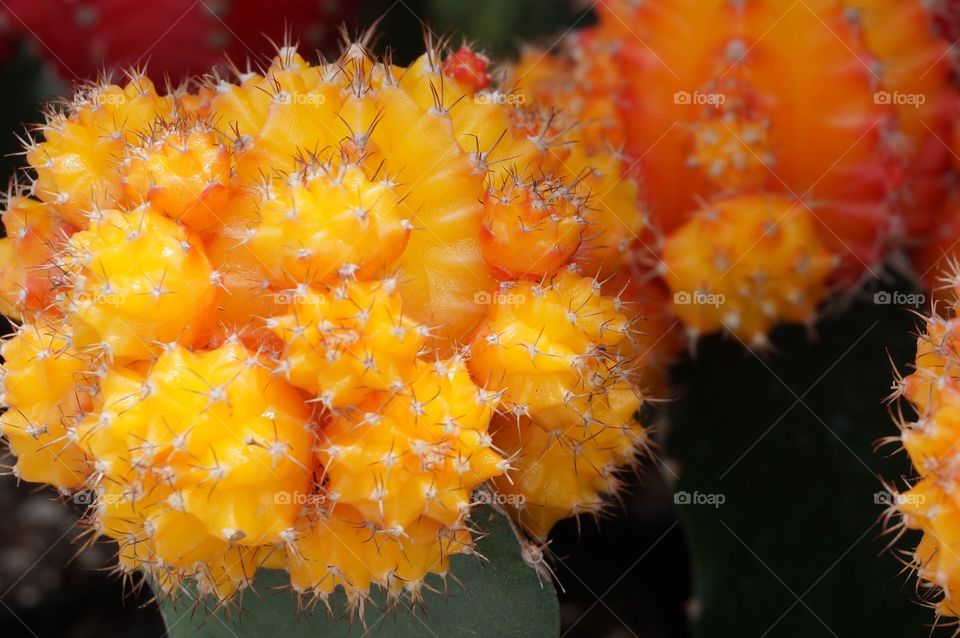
531,230
744,264
184,171
269,322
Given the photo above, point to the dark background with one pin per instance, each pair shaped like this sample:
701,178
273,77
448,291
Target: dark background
786,439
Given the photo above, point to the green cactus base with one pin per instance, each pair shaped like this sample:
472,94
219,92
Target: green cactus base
500,597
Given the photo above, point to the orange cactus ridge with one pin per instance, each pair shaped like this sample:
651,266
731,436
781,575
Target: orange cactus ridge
289,320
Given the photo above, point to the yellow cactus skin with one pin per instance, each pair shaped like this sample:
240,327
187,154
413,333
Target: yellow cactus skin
396,459
420,453
28,267
181,451
928,503
138,280
329,222
558,473
76,163
44,383
207,427
550,353
427,133
745,264
543,344
265,303
398,563
184,171
615,215
342,343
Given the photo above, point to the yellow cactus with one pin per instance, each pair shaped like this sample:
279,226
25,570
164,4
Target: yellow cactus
76,163
47,383
397,562
259,318
344,342
329,222
928,503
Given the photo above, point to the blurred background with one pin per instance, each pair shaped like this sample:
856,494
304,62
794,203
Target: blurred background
787,540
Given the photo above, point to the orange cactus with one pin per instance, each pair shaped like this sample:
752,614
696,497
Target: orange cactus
28,264
843,106
184,171
531,230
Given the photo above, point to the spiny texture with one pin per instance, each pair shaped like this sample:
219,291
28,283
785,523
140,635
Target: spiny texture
551,353
258,319
839,107
745,263
930,433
